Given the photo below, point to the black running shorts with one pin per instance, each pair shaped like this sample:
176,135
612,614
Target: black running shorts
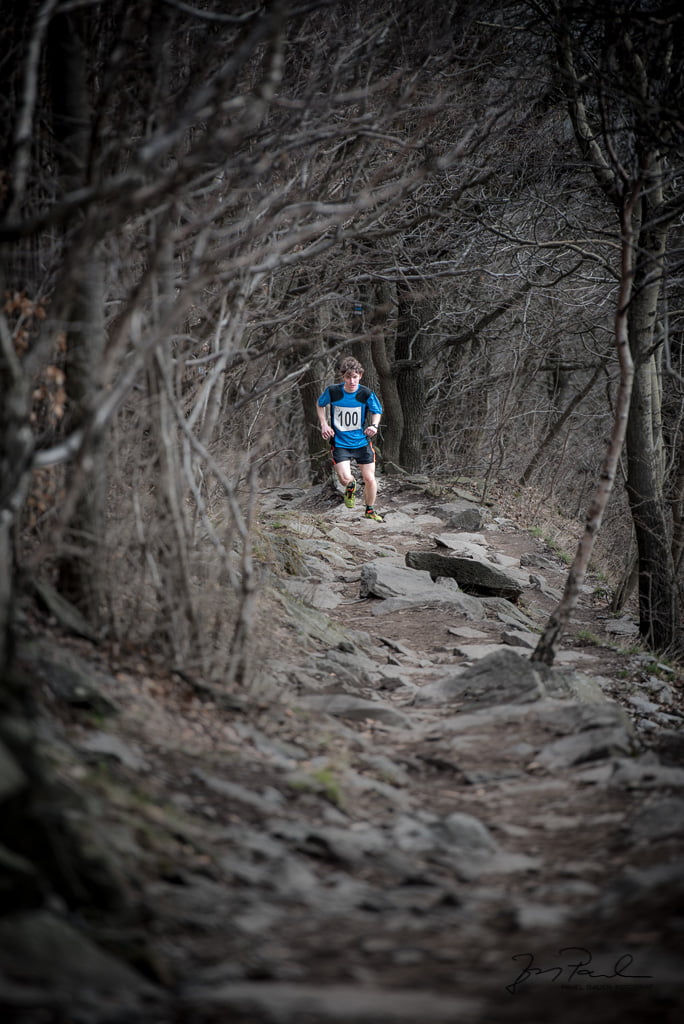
363,456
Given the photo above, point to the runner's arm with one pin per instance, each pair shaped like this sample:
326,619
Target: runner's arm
326,430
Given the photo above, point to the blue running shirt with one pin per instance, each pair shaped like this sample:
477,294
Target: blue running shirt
348,413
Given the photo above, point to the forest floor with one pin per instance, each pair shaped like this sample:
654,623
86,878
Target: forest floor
329,845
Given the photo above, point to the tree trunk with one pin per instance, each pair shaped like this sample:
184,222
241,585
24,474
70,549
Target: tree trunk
362,324
16,445
657,590
628,582
309,389
409,354
659,612
677,505
80,576
392,426
658,606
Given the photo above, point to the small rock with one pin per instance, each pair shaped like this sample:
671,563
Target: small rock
621,627
592,745
355,708
106,745
660,819
516,638
541,915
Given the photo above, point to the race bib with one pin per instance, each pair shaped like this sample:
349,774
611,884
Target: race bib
346,417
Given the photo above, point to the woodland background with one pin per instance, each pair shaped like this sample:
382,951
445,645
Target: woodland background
205,204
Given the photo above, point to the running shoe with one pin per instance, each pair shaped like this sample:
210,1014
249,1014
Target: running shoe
350,494
372,514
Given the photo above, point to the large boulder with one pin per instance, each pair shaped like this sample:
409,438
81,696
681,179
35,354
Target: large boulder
508,677
461,515
471,574
387,578
502,677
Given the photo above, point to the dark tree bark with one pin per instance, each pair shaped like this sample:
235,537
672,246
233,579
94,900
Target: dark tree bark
658,601
319,450
80,576
382,346
409,353
16,449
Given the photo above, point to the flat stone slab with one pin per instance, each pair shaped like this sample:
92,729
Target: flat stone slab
390,579
467,633
321,596
622,627
344,540
476,652
591,745
471,574
343,705
399,522
574,657
473,544
519,638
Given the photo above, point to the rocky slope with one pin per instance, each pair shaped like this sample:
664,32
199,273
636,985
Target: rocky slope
401,819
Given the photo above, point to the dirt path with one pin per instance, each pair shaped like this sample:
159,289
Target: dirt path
335,845
454,865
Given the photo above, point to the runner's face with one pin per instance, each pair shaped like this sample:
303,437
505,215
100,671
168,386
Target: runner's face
351,380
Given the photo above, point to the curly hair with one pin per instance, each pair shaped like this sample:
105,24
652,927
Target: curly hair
349,365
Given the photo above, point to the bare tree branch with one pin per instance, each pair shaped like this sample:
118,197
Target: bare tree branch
546,648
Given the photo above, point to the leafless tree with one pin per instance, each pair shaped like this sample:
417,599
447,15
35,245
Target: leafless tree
546,649
621,71
200,166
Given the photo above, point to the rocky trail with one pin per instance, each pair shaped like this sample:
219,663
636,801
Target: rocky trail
401,819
